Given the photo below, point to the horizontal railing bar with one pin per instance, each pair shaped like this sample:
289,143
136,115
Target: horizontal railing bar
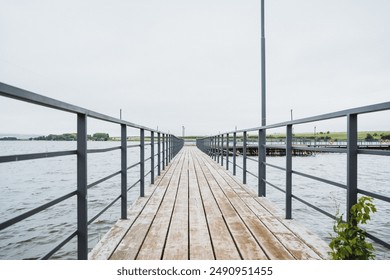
21,157
104,210
252,159
30,97
374,152
374,195
239,166
315,207
32,212
103,179
134,165
59,246
254,175
274,166
93,151
149,158
320,179
133,146
147,173
133,185
360,110
274,186
378,240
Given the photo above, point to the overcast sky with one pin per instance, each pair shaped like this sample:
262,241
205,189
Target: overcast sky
196,63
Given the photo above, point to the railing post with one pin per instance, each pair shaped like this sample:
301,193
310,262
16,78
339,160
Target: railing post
171,147
218,147
123,171
215,148
234,152
163,151
221,151
227,151
289,172
142,163
158,154
82,203
262,153
152,157
244,158
212,147
166,149
352,162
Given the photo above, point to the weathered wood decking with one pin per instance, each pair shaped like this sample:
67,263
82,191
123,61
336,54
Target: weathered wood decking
199,211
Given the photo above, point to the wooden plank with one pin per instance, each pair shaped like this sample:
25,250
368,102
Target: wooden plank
153,245
129,246
223,245
263,207
245,242
265,238
106,246
176,247
312,240
200,243
292,243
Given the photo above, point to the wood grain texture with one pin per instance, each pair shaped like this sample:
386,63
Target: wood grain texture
197,210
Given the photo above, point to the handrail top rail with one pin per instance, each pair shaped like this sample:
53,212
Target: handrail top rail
34,98
358,110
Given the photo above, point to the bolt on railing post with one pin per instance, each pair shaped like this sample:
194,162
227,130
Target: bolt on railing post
227,151
123,171
163,151
222,149
152,157
158,154
234,152
262,153
142,163
352,162
244,157
82,203
289,172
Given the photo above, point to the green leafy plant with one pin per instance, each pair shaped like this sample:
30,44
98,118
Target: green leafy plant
350,242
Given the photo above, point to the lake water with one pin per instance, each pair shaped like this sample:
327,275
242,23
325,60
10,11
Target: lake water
25,185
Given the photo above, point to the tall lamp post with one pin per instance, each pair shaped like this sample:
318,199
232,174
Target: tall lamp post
263,89
262,133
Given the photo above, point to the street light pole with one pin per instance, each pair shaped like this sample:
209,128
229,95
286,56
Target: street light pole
262,132
263,99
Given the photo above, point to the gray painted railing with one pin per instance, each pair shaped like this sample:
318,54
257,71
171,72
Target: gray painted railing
218,147
167,147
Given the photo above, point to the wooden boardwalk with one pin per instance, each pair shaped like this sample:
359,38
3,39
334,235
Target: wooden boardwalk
198,211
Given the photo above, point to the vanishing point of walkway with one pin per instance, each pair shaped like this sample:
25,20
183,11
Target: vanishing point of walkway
198,211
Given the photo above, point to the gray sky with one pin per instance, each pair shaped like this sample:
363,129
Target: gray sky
196,63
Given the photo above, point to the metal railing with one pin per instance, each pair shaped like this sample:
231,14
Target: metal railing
222,147
167,147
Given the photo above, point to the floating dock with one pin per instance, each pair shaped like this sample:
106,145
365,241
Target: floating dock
196,210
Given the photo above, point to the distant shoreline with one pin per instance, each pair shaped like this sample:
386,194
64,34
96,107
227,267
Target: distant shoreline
101,136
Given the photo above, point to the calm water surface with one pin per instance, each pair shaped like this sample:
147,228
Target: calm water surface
25,185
